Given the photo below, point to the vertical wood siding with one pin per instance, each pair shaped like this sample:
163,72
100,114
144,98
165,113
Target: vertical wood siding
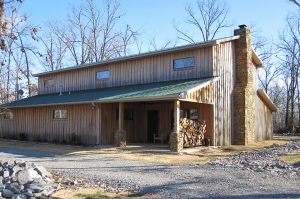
203,95
224,67
138,71
264,124
38,124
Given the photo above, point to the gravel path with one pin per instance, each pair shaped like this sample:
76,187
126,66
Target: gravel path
198,181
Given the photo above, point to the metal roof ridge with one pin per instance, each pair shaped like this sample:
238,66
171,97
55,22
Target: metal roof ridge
141,55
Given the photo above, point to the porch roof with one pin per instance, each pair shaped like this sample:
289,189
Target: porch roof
131,93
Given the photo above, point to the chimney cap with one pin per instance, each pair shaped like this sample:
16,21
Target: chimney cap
242,26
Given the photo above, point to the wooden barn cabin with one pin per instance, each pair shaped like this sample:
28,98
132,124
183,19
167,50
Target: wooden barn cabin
129,99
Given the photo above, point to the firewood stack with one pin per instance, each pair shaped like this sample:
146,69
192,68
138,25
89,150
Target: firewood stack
193,132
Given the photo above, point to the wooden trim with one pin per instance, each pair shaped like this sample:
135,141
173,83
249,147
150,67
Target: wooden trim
194,101
202,85
121,116
98,120
257,61
176,115
266,99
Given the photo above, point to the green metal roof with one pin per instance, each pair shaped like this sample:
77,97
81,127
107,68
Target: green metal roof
143,92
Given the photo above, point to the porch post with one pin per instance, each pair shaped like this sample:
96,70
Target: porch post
97,125
120,136
176,139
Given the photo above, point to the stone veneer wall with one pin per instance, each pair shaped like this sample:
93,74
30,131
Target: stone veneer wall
244,97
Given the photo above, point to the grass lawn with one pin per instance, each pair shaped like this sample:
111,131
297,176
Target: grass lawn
96,194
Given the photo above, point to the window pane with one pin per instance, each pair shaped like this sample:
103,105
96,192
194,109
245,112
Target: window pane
102,74
194,114
8,115
184,63
60,114
49,83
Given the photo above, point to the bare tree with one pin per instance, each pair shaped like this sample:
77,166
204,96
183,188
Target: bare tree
209,18
93,34
153,44
290,47
297,3
16,53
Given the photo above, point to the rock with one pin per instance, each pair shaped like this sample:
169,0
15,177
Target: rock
15,188
27,175
20,163
6,193
35,188
19,196
16,169
5,174
25,180
42,171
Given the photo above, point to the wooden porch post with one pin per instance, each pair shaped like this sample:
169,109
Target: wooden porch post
176,140
120,136
98,123
121,116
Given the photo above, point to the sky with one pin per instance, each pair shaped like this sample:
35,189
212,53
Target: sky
155,18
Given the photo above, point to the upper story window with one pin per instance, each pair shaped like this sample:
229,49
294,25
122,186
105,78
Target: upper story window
8,115
60,114
104,74
49,83
184,63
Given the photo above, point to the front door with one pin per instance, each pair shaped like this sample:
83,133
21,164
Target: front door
152,124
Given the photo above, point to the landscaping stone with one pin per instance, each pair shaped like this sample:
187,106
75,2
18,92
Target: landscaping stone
27,175
267,160
22,180
6,193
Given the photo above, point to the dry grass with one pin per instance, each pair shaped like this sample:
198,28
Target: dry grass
96,194
291,158
200,155
150,153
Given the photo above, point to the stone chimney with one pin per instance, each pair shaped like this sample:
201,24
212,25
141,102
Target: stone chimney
244,96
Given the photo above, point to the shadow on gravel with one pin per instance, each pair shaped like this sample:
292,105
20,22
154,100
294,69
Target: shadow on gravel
296,165
255,196
23,153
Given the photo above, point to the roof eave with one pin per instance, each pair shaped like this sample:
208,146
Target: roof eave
266,99
141,99
257,61
130,57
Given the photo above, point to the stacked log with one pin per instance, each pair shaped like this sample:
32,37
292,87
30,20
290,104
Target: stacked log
193,132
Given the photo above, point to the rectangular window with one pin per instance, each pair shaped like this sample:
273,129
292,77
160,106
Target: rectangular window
189,114
193,114
184,63
60,114
8,116
102,74
49,83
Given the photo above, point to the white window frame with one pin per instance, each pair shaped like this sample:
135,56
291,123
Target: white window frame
58,114
103,75
188,66
8,115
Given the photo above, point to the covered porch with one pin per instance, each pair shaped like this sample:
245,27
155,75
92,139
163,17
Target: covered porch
117,115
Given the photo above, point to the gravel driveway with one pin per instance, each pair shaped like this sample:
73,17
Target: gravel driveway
197,181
